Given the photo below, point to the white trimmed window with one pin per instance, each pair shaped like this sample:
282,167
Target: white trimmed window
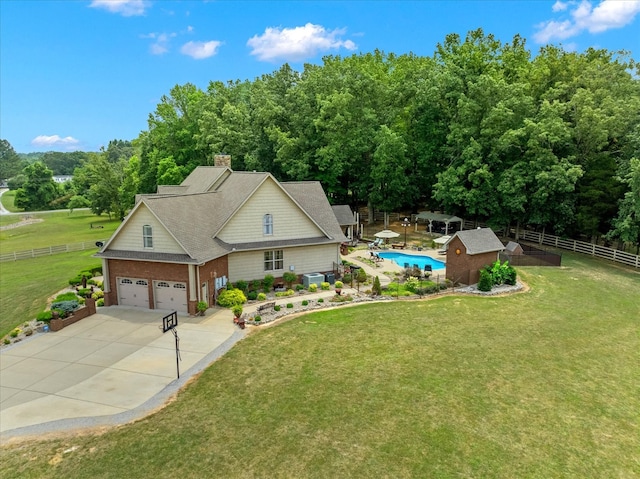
147,236
267,224
273,260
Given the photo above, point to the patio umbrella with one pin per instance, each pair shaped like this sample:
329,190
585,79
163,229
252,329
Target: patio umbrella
442,239
386,234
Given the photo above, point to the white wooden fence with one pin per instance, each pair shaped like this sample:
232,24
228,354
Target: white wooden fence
49,250
573,245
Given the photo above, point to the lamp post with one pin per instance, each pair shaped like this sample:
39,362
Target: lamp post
406,223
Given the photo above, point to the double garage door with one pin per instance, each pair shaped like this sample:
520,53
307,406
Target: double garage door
169,295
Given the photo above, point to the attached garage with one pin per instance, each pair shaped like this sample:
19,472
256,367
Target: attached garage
171,295
133,292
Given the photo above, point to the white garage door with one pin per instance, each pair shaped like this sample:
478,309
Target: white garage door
133,292
171,296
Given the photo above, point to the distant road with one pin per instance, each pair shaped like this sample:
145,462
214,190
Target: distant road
2,210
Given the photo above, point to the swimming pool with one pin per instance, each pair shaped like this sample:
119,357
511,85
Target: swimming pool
401,259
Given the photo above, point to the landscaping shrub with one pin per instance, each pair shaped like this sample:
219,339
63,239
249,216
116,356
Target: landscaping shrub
341,299
289,305
100,302
252,295
14,333
97,294
485,283
68,296
256,284
65,306
325,286
231,298
75,281
313,287
242,285
299,287
305,302
376,290
44,316
276,307
347,278
412,284
320,300
237,310
501,273
288,292
267,283
262,296
289,277
257,318
83,292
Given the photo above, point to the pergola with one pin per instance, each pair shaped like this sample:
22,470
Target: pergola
440,217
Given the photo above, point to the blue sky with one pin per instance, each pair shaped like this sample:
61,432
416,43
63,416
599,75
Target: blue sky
76,74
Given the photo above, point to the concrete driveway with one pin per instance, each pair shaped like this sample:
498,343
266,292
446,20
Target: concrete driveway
109,368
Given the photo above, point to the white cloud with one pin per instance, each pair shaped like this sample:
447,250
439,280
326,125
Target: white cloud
200,50
296,44
126,8
54,141
559,6
606,15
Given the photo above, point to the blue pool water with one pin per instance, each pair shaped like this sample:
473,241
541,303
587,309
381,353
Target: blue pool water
401,258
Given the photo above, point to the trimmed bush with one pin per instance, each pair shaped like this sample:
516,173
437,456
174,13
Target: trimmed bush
262,297
267,283
242,285
305,302
276,307
98,294
339,285
66,306
299,287
289,277
485,283
68,296
412,284
231,298
44,316
320,300
376,290
100,302
237,310
256,284
313,287
257,318
289,305
252,295
324,286
83,292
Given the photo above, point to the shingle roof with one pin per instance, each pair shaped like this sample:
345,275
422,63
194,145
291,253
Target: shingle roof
482,240
344,215
194,219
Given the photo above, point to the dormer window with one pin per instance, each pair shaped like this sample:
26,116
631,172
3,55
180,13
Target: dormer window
147,236
267,224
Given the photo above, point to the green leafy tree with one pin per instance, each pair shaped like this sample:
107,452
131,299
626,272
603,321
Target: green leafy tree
77,201
10,162
39,189
626,226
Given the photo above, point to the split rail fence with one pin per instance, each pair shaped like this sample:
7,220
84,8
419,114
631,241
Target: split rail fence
47,251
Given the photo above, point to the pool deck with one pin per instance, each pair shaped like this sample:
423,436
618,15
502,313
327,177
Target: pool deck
386,269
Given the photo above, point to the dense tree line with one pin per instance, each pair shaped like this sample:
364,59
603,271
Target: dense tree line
482,129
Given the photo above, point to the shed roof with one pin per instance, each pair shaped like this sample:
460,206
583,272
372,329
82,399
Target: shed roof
481,240
431,216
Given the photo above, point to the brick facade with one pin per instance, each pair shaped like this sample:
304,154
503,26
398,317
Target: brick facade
465,268
153,271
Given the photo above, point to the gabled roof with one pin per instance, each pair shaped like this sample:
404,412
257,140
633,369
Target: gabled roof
481,240
431,216
195,219
344,215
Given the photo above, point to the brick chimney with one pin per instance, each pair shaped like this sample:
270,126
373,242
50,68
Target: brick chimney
222,160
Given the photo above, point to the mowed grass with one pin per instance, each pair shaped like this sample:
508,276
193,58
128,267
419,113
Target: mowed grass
26,284
57,228
539,384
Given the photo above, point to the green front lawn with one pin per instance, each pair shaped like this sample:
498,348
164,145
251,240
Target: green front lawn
538,384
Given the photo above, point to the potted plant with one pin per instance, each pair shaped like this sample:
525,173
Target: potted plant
201,307
237,316
338,287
